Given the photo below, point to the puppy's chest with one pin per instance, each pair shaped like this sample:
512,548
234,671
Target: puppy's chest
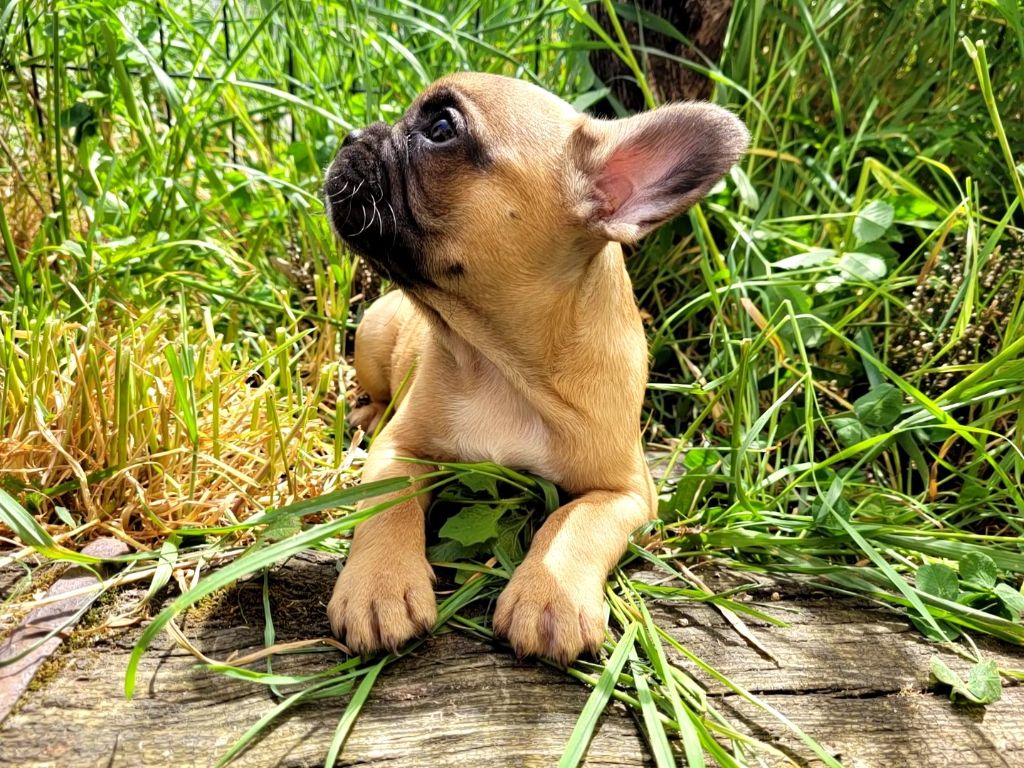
487,420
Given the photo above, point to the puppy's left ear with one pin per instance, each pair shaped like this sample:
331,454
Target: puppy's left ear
631,175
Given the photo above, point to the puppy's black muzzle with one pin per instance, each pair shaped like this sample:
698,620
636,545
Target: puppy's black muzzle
356,184
365,197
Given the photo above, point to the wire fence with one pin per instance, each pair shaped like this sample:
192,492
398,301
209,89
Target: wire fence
27,53
63,66
234,81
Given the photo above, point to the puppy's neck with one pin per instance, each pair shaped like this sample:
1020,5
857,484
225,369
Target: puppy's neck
533,331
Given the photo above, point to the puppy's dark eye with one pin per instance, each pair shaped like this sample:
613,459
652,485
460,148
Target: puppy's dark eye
442,130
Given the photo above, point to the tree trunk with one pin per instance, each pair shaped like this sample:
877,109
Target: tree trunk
703,22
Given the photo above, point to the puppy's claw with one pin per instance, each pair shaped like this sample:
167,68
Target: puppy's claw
378,607
549,616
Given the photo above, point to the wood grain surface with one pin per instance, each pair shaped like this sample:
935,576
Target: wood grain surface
854,677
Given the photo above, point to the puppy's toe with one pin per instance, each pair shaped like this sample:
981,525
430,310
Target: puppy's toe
377,606
368,416
544,615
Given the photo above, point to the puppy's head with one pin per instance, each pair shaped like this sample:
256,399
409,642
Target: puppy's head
487,182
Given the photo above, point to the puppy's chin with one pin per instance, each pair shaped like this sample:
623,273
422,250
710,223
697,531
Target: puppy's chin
367,204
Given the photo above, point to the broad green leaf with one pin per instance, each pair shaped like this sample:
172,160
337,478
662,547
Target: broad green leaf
278,529
908,206
1012,599
830,283
827,507
474,524
939,580
943,674
701,458
165,566
65,516
880,407
450,551
112,204
978,570
850,431
942,632
813,258
983,686
872,221
746,191
510,528
983,681
75,249
478,482
863,266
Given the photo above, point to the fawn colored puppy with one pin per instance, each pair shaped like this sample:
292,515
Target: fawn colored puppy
499,210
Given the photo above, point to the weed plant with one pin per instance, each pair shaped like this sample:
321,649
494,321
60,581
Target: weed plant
836,334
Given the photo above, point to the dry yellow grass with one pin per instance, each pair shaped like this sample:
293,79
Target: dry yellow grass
91,419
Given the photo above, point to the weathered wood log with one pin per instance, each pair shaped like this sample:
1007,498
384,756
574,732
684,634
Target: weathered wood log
854,677
40,633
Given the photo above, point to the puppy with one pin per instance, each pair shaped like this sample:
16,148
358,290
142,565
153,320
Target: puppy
499,210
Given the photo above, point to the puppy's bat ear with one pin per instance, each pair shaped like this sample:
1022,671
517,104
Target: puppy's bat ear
631,175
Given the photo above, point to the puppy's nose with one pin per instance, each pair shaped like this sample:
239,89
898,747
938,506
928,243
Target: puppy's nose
352,137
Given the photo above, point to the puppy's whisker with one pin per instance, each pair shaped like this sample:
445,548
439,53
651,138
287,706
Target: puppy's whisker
394,230
380,217
353,193
373,212
363,207
342,197
335,197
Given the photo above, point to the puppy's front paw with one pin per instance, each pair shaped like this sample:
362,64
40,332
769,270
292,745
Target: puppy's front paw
557,616
381,602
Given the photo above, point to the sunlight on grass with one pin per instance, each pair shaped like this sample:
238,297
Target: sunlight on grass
836,333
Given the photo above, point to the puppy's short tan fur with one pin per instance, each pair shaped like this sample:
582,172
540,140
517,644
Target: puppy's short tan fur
499,211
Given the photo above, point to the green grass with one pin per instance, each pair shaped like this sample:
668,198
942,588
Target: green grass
836,334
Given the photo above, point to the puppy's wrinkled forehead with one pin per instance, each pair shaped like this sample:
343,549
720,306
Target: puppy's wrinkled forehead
503,113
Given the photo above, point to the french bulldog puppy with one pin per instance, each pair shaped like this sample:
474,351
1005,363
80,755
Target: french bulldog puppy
498,210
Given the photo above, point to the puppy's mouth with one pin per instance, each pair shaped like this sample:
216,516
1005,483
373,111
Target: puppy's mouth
366,198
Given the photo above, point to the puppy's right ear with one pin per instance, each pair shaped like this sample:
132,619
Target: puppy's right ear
631,175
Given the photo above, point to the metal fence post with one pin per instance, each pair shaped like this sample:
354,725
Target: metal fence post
227,60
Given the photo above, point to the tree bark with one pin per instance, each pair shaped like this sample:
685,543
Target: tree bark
703,22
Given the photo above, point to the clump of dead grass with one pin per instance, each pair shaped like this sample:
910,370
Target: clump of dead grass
99,436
